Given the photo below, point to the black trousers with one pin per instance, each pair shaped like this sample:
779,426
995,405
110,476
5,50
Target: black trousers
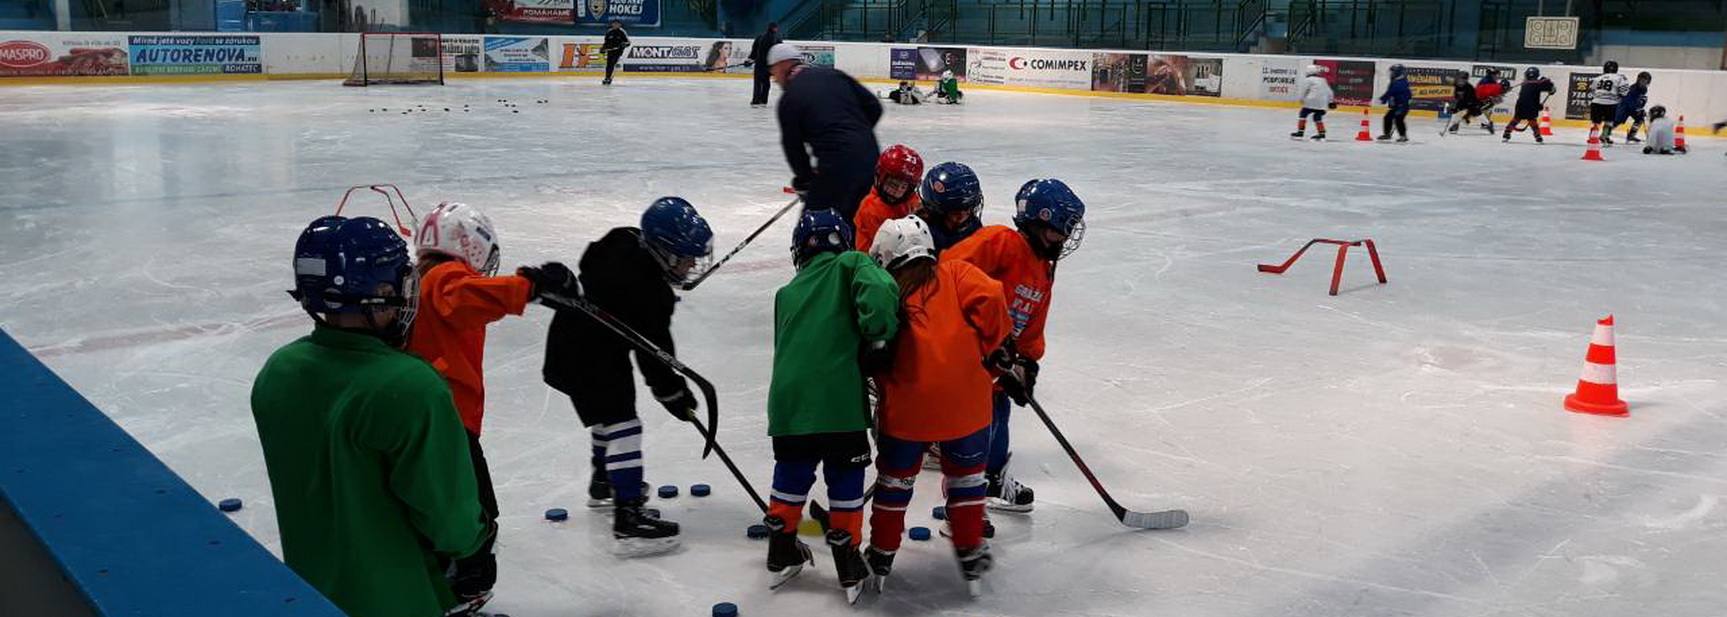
478,573
1395,119
759,96
612,62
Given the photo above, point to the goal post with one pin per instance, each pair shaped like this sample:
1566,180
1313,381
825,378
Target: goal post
398,58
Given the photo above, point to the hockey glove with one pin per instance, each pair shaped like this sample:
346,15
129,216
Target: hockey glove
681,404
876,357
552,279
749,63
1331,105
801,185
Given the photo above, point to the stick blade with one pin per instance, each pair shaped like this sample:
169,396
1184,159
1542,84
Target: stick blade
1167,519
1270,268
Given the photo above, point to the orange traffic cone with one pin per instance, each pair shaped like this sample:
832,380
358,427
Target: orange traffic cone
1546,123
1598,388
1366,133
1679,135
1594,151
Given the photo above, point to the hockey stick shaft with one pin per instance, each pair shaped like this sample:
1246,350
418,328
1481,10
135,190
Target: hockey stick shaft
635,338
1156,520
710,271
726,67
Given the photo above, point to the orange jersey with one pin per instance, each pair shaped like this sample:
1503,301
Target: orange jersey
938,389
873,212
456,305
1005,255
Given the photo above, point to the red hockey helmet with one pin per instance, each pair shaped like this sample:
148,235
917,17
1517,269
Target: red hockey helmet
897,172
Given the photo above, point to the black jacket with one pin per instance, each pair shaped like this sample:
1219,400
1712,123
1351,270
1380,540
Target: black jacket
835,116
759,50
616,40
1530,97
588,361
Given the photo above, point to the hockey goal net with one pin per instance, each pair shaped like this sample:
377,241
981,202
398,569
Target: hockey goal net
398,58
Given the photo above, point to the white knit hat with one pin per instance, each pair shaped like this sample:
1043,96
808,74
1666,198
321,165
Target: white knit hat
783,52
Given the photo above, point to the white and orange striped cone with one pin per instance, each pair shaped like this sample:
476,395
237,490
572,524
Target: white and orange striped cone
1546,123
1366,133
1594,151
1598,389
1679,135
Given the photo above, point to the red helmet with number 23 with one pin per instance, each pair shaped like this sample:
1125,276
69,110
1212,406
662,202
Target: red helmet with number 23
897,172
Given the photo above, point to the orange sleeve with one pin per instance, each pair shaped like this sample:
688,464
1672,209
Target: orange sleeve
979,250
985,308
869,220
1030,341
468,300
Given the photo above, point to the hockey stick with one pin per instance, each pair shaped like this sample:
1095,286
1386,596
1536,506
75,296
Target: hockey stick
710,271
727,67
1167,519
709,435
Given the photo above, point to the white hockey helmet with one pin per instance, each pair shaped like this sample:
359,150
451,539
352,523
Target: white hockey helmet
900,241
947,75
1314,69
462,232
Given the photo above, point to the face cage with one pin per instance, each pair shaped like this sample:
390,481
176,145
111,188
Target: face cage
491,266
1074,238
670,261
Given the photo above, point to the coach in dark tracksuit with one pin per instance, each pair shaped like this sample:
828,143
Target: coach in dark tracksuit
616,41
759,57
825,112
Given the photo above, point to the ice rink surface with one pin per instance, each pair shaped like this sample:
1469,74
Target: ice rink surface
1395,450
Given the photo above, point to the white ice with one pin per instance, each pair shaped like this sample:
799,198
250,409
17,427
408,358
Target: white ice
1398,449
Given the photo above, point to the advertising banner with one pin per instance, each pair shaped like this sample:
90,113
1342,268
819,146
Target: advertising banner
1278,78
1430,86
933,61
986,66
1204,76
537,11
571,55
814,54
1578,95
902,64
1037,69
1165,74
1118,72
462,53
54,53
1351,80
517,54
175,54
628,12
665,58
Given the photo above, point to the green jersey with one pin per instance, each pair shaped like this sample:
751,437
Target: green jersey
837,303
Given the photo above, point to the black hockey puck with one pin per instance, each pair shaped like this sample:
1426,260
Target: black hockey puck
514,111
939,513
700,490
756,532
725,609
920,534
557,515
230,504
668,491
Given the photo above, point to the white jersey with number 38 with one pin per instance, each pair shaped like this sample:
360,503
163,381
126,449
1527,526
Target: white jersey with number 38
1608,88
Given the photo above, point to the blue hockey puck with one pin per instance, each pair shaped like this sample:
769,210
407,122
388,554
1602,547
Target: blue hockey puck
557,515
230,504
920,534
668,491
700,490
940,513
725,609
756,532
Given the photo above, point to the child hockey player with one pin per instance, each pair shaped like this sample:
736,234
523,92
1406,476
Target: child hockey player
1465,106
937,391
1531,98
1316,99
1051,222
1609,88
1661,133
1631,106
367,462
947,89
629,273
1396,98
458,249
897,172
906,94
950,202
838,304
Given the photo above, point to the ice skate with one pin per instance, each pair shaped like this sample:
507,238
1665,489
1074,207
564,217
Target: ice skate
1318,137
1008,495
639,532
1385,138
849,564
470,606
786,553
932,458
1402,139
599,489
988,527
1298,135
973,563
880,565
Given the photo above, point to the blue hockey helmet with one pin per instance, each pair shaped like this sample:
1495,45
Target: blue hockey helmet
1532,73
951,187
1047,203
678,238
817,232
1396,70
354,265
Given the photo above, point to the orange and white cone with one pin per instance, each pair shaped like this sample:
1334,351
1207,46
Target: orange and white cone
1594,151
1679,135
1546,123
1366,133
1598,389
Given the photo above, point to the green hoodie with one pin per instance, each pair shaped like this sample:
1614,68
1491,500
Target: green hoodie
369,467
822,318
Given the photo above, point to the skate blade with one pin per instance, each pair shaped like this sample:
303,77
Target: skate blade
780,578
599,503
470,608
855,591
629,548
878,582
974,588
1003,506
